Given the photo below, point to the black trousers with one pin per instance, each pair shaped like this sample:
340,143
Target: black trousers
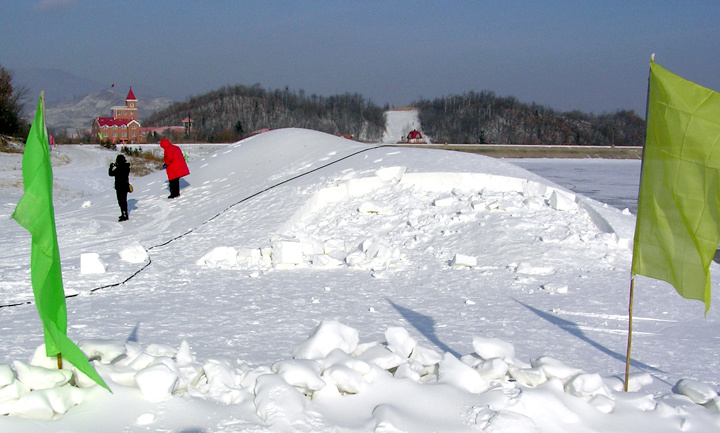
122,200
174,187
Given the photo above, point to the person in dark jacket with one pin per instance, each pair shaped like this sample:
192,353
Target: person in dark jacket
175,166
120,169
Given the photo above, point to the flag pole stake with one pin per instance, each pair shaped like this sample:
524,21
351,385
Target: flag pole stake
59,360
629,344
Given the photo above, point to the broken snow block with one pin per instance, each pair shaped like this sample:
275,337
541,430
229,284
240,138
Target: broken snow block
287,253
463,261
134,253
534,189
389,174
90,263
561,201
373,207
443,201
219,257
156,381
555,288
490,347
326,337
362,186
697,391
41,377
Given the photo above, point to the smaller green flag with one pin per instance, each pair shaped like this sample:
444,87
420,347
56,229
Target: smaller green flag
678,219
35,213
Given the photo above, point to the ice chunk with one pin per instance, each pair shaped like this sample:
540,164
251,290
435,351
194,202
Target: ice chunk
303,374
134,253
105,350
639,380
339,357
585,386
326,337
6,375
40,377
400,341
13,391
373,207
555,368
562,201
219,257
344,378
157,381
90,263
358,187
534,189
698,392
287,253
555,288
278,403
391,174
488,348
529,269
425,355
452,371
382,357
531,377
463,261
444,201
492,369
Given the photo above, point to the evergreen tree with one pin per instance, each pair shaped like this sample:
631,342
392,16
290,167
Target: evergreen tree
10,104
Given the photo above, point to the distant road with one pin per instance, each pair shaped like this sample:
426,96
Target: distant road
541,151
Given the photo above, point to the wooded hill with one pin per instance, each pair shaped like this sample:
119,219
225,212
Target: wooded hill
231,113
484,118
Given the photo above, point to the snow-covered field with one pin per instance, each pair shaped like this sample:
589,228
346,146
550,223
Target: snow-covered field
612,181
399,123
304,282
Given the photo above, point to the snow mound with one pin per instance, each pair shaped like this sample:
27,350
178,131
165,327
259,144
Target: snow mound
373,223
332,365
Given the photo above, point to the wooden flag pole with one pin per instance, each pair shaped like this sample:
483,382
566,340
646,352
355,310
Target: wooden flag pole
629,344
59,360
632,276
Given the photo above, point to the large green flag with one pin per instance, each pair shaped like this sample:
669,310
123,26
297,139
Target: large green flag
35,213
678,218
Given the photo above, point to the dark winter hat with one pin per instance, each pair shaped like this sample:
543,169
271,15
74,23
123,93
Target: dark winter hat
120,159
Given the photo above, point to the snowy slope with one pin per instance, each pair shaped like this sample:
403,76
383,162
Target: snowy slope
293,243
398,123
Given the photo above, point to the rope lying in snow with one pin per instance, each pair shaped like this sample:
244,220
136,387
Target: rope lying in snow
212,218
261,192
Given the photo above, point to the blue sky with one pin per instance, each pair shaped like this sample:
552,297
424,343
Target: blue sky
587,55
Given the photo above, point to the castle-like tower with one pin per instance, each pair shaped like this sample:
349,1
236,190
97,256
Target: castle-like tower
123,126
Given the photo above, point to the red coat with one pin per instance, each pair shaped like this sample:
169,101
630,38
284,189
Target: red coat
175,165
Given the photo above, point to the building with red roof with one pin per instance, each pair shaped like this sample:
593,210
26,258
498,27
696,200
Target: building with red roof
123,126
414,137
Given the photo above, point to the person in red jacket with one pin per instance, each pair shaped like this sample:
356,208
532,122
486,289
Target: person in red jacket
175,166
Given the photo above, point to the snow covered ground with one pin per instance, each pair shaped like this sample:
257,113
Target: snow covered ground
398,123
304,282
612,181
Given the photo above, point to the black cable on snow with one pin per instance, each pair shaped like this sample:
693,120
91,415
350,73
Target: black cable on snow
253,195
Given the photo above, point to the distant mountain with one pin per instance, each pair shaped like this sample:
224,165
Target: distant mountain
58,85
72,102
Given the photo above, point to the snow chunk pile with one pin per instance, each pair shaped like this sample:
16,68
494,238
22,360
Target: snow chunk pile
383,221
332,364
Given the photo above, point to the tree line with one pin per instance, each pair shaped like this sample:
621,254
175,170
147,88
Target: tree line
233,112
230,113
484,118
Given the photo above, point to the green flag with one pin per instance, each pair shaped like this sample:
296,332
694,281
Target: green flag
678,218
35,213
